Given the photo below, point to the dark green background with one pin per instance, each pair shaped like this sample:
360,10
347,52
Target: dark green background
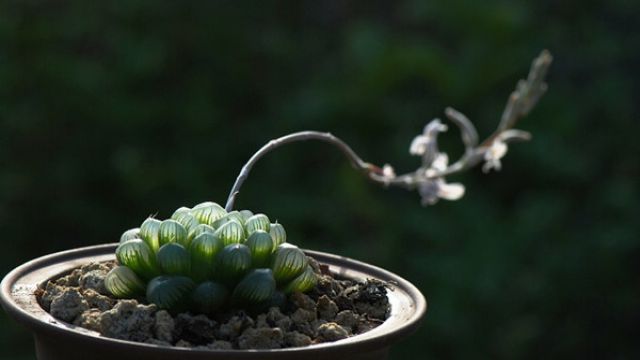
111,111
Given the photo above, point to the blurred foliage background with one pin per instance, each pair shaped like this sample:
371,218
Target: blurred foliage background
111,111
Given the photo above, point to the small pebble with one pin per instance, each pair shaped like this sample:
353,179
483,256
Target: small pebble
296,339
97,301
327,309
261,338
68,305
332,332
164,326
303,301
333,310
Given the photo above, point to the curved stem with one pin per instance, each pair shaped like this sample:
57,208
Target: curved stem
353,158
428,178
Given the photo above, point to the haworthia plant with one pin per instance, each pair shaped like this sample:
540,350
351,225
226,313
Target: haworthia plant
204,259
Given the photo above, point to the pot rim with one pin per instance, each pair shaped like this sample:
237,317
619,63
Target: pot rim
18,298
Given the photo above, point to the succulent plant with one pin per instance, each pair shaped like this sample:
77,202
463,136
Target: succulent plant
205,259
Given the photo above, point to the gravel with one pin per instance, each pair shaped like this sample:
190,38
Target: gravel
335,309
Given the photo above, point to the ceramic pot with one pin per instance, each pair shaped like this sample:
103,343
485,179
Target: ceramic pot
55,339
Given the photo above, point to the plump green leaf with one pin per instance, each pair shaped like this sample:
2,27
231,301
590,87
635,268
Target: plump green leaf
181,210
130,235
232,262
188,221
278,234
202,228
172,231
288,262
123,283
208,212
231,233
138,256
246,214
303,282
256,287
150,231
234,215
204,249
208,297
174,259
172,293
261,246
257,222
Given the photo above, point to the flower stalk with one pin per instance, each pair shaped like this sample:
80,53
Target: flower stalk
430,178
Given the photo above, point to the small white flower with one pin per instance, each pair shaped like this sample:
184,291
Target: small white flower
494,153
421,143
388,173
440,162
453,191
434,188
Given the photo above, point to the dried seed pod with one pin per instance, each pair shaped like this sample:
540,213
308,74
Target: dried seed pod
150,231
138,256
303,282
256,287
261,246
204,249
231,233
130,235
208,212
200,229
257,222
172,231
288,262
278,234
232,262
122,282
234,215
208,297
174,259
170,292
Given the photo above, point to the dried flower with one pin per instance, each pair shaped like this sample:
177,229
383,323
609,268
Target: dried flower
421,144
492,156
432,188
